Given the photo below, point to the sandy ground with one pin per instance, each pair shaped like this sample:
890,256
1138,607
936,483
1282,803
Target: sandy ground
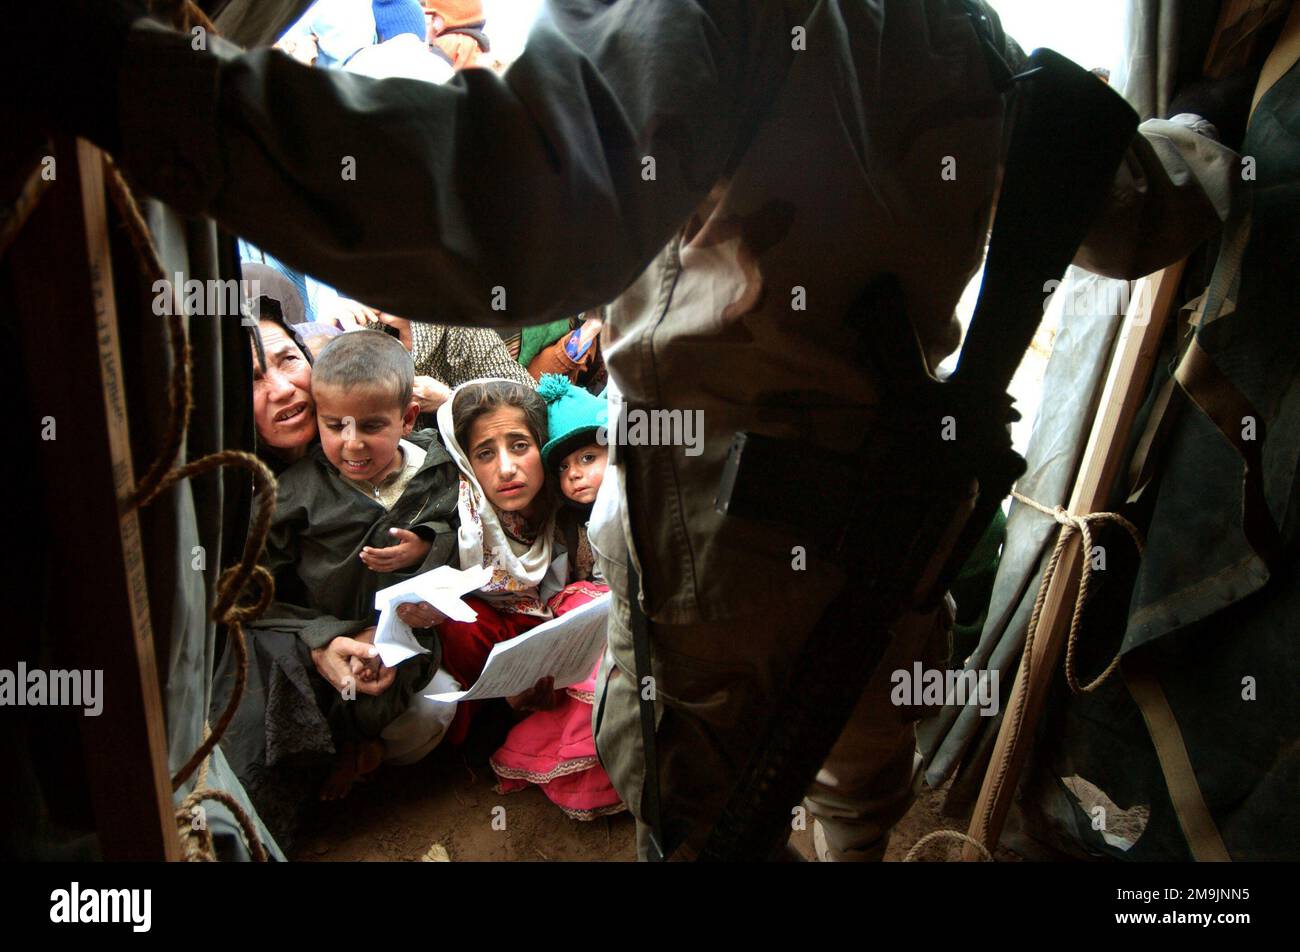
447,799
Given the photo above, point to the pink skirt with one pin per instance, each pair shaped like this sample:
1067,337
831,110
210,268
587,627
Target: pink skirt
555,749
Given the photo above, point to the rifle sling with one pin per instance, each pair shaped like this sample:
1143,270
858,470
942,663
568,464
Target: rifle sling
650,809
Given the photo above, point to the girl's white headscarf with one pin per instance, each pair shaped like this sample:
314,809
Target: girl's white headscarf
518,568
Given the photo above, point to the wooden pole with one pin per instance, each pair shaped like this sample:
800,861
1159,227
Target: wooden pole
67,325
1103,460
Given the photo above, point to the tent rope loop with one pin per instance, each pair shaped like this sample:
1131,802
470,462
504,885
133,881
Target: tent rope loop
196,839
1070,524
956,835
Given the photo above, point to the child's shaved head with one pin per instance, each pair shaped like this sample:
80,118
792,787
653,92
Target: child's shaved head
366,359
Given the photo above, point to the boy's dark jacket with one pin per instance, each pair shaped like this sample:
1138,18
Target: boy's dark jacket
322,588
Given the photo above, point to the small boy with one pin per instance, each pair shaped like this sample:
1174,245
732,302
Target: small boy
372,503
573,418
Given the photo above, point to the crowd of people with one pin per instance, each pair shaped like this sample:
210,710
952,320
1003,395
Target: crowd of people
505,477
403,446
726,178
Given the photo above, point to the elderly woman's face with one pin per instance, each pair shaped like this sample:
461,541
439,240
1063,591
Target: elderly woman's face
282,403
507,460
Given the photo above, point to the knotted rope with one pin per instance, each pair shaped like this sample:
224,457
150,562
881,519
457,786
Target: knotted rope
957,835
196,838
1070,524
163,473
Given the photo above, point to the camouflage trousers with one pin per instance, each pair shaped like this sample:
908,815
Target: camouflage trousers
715,684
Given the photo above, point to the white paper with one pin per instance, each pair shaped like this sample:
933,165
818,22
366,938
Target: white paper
442,588
565,648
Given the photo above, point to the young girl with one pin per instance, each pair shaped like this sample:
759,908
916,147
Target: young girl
554,747
496,431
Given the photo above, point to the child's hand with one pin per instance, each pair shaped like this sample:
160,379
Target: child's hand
419,614
540,697
410,550
365,668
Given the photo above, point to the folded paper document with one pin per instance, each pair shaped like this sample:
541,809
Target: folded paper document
442,588
565,648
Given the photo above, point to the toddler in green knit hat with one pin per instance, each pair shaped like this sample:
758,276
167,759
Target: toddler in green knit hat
573,418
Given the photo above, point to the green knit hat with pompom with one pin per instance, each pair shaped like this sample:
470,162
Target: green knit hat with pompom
572,416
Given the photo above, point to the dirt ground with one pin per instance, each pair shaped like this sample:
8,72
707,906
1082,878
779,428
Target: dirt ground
401,813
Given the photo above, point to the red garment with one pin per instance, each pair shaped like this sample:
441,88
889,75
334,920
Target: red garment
466,646
555,749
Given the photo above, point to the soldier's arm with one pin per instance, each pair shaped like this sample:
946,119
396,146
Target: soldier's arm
1171,193
454,202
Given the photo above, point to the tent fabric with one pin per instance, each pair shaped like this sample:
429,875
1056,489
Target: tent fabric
960,737
209,511
1148,73
1211,615
256,22
1164,43
1071,389
201,521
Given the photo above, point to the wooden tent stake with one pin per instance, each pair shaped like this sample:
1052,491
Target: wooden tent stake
1102,463
63,279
